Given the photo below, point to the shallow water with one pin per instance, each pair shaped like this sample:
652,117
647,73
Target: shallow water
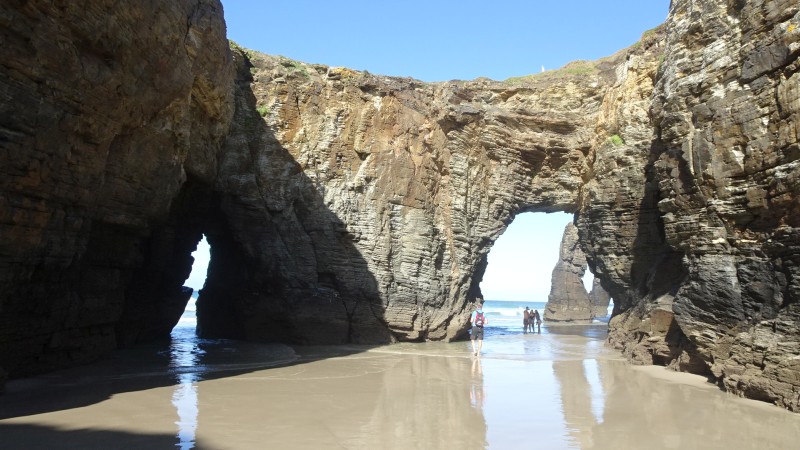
560,389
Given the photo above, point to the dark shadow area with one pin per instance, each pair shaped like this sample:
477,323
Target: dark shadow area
33,437
283,266
657,269
658,272
283,270
149,366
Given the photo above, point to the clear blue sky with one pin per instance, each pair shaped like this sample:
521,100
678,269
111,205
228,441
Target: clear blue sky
434,40
443,40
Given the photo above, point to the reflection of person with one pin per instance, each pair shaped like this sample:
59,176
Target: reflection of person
478,320
538,319
526,320
476,393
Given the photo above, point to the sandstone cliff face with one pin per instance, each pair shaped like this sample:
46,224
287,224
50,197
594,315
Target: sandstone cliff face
568,300
347,207
107,110
727,108
396,190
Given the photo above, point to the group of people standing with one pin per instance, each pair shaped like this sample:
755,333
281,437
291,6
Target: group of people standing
531,318
531,321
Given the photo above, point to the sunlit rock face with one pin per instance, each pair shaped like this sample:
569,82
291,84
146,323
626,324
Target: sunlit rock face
414,182
568,300
720,296
727,108
343,206
690,219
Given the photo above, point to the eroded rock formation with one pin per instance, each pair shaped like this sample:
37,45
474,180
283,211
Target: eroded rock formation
109,113
568,300
416,181
599,299
347,207
719,295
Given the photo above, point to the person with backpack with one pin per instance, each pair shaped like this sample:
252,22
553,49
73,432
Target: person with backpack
478,320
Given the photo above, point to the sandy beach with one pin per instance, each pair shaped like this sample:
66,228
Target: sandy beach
562,389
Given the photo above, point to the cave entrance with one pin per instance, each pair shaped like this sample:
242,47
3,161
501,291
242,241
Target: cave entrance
196,281
520,267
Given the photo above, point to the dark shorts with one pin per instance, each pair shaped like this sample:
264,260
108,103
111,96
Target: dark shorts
477,333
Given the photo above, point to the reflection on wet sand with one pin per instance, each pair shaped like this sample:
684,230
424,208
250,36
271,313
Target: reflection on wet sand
184,353
379,399
428,402
576,401
627,405
476,391
554,391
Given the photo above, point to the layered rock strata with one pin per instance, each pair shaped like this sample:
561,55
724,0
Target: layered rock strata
347,207
719,296
109,112
422,177
599,299
568,300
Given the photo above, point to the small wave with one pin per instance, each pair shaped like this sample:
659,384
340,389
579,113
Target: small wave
191,305
187,322
508,312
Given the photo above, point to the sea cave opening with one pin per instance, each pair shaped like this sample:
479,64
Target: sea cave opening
196,281
520,268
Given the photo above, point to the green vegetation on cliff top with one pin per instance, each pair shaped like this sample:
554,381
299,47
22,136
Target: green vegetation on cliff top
573,69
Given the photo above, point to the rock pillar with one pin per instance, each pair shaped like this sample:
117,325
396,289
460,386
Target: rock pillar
568,300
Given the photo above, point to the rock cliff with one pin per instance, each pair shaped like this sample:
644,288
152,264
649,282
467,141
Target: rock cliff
109,112
343,206
721,295
568,300
406,186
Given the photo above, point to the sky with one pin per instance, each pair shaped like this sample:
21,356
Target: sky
435,40
522,260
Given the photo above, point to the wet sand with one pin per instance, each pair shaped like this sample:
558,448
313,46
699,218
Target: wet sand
561,389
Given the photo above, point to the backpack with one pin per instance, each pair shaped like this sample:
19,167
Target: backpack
478,319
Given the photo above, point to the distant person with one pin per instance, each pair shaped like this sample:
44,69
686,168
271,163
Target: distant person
526,316
538,320
478,320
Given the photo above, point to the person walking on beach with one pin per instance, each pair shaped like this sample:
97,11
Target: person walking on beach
538,320
478,320
526,315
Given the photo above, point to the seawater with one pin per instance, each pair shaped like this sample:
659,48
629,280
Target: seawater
505,316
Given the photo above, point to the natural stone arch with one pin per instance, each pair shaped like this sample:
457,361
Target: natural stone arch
425,177
681,173
369,201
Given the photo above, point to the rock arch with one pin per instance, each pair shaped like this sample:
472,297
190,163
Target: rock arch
373,201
